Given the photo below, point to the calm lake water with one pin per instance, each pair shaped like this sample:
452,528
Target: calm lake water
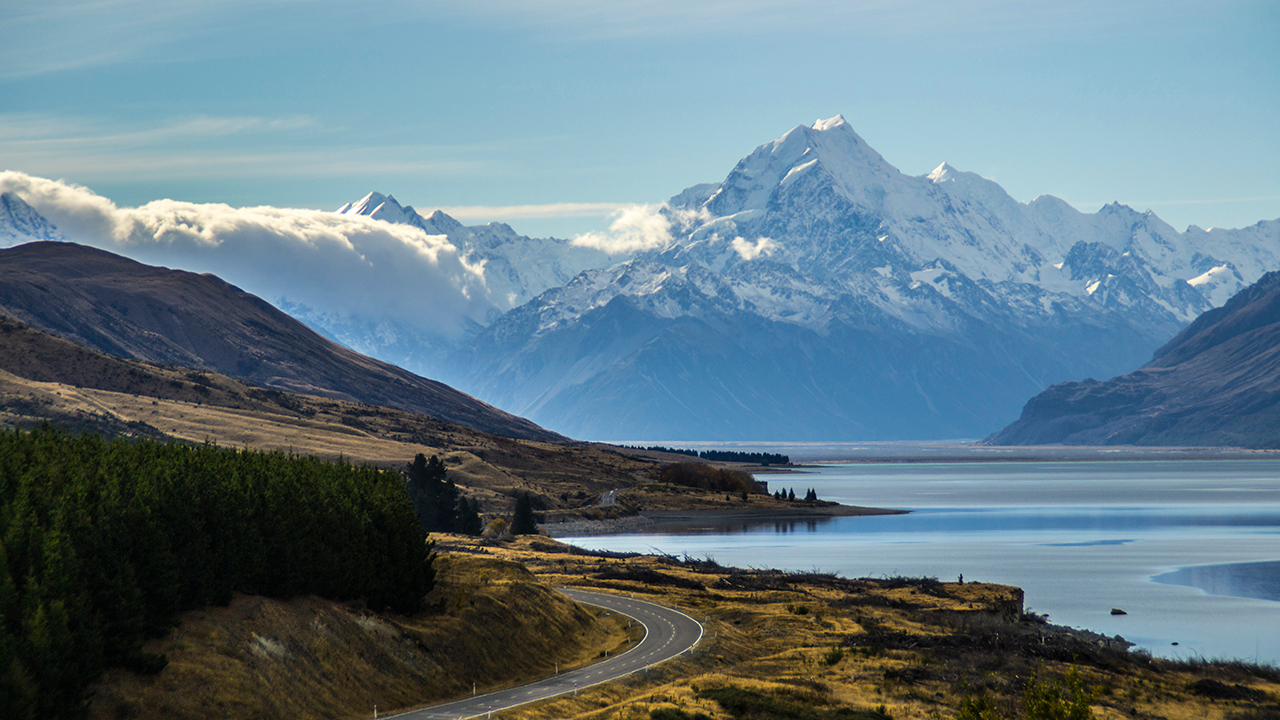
1189,549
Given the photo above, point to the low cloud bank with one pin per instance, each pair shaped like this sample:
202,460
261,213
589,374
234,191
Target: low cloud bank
330,263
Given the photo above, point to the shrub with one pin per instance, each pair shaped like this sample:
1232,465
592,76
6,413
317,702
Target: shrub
706,477
671,713
833,656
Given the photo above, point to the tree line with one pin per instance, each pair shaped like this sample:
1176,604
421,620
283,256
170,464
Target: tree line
103,543
757,458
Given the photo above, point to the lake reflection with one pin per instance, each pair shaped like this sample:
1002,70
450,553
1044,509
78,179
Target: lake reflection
1079,537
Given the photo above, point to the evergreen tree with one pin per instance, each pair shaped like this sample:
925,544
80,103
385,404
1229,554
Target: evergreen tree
791,494
467,519
522,522
103,544
434,496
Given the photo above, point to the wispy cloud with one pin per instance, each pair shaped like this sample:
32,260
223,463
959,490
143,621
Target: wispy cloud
525,212
667,18
1209,201
202,145
637,228
42,37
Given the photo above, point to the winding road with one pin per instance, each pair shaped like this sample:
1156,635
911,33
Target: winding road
668,633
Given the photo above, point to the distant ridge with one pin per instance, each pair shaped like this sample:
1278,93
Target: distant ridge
128,309
1216,383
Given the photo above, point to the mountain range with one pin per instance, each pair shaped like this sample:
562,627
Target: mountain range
816,293
819,293
1216,383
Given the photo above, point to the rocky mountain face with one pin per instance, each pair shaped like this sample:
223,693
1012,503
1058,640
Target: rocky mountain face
20,223
1216,383
819,293
128,309
516,269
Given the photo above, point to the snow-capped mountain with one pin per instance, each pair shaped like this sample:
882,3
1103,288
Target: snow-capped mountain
20,223
516,268
820,293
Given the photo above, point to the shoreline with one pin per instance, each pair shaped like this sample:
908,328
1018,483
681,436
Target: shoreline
649,518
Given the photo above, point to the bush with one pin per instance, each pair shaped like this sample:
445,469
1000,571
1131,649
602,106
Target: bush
671,713
1064,699
706,477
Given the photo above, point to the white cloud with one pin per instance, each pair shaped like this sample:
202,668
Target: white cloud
327,262
748,251
638,228
635,228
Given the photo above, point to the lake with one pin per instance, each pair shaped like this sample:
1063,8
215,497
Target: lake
1189,549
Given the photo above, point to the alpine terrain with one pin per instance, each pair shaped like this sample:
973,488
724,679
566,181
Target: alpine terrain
819,293
124,308
816,293
1216,383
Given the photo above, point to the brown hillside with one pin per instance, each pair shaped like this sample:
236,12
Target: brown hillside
43,377
137,311
494,624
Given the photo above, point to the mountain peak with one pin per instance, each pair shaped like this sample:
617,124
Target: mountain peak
828,149
943,173
830,123
380,207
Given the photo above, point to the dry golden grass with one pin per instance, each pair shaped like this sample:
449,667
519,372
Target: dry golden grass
916,647
494,624
774,633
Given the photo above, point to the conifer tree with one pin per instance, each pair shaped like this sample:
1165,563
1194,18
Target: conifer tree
523,522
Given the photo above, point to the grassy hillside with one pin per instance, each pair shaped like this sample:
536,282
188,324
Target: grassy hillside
46,378
489,621
814,647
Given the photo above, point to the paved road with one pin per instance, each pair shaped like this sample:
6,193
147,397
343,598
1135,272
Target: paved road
668,633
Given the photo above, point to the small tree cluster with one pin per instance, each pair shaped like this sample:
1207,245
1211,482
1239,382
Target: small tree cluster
522,521
436,500
790,495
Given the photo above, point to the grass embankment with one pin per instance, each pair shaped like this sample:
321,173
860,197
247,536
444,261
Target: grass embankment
815,646
491,622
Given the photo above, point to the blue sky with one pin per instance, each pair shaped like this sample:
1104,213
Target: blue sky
550,114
